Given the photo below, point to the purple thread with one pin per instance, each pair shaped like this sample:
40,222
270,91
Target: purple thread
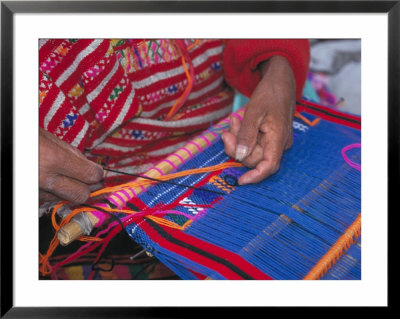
347,160
113,201
206,140
125,193
158,170
120,198
200,214
170,163
187,151
195,144
178,156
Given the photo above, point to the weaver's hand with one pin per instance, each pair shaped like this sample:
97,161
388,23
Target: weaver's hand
64,172
266,130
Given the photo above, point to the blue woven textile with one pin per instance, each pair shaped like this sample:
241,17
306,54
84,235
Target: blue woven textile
283,225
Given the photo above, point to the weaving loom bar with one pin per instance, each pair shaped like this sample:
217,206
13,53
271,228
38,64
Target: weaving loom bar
73,231
309,226
313,216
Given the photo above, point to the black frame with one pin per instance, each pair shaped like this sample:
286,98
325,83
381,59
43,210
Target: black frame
8,8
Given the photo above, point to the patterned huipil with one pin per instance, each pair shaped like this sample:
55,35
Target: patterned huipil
127,104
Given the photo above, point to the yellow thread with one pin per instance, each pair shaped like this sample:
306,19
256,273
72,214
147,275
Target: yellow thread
77,90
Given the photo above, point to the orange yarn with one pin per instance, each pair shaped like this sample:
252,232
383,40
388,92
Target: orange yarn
188,88
45,267
196,42
336,251
316,120
189,75
143,182
165,222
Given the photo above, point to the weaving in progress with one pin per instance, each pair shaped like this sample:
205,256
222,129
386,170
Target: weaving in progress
188,211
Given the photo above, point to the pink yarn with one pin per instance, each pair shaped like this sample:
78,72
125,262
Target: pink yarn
347,160
220,127
206,140
187,151
170,163
237,116
113,201
178,156
197,145
100,215
158,170
213,133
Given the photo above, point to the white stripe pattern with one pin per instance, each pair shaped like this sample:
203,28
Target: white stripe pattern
78,138
165,150
178,70
119,119
42,42
92,95
85,108
186,122
193,95
83,54
54,108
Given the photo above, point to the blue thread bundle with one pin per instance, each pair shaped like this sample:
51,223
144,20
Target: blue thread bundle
283,225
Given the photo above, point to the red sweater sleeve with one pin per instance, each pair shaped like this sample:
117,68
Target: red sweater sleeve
241,58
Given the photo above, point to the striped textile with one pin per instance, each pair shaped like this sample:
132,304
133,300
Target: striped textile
111,98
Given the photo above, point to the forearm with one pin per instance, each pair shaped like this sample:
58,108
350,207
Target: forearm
277,73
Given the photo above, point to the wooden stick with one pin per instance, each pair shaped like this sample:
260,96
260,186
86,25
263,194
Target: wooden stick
72,230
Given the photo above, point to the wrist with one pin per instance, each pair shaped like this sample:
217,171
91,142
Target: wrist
276,66
277,84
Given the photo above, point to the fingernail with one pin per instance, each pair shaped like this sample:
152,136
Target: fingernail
241,152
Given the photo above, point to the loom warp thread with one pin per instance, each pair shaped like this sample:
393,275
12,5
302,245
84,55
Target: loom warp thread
283,227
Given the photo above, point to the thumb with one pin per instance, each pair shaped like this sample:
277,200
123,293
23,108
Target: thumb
248,133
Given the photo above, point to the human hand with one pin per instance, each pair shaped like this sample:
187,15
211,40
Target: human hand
64,172
266,129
